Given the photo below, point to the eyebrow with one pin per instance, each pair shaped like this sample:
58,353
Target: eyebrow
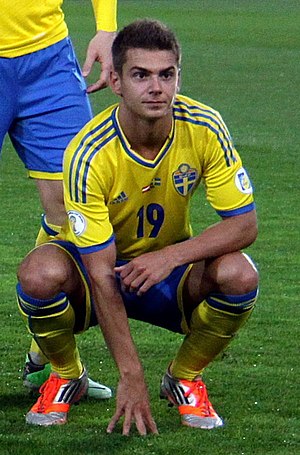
141,68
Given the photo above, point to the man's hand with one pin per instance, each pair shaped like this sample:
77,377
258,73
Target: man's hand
133,404
99,50
145,271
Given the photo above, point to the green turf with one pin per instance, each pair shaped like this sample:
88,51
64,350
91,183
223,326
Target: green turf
241,57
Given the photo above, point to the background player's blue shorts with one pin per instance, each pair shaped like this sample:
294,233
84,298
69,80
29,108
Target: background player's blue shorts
43,105
159,306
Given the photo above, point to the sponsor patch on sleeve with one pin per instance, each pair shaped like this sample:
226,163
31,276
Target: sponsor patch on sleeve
242,181
77,221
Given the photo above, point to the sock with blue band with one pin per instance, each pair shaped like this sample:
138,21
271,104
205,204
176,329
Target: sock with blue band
51,322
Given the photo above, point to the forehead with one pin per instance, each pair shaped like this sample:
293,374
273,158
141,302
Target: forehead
152,60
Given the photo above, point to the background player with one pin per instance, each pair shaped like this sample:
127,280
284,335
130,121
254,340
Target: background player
129,176
44,103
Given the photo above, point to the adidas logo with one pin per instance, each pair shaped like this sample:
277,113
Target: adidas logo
121,198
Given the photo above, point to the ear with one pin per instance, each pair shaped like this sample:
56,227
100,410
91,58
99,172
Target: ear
115,83
178,81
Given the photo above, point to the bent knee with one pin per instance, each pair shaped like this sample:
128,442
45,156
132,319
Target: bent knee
250,277
235,274
42,272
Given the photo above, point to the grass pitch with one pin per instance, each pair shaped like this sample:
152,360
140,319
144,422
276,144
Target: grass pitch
242,58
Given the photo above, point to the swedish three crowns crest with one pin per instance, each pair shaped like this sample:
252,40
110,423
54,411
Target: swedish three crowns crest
184,179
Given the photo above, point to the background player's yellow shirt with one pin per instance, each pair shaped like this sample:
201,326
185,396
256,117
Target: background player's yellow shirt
30,25
111,190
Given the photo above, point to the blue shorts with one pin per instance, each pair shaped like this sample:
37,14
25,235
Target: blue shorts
160,306
43,105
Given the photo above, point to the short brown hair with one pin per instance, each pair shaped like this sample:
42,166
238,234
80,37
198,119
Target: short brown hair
143,34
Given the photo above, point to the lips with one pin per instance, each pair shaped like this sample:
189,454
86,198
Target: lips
154,103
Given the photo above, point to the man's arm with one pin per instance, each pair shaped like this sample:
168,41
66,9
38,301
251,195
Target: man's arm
132,395
229,235
99,48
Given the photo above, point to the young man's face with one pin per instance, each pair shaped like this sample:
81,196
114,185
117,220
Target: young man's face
148,84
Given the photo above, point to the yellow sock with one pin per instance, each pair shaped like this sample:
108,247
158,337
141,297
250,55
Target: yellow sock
36,354
211,330
53,332
47,232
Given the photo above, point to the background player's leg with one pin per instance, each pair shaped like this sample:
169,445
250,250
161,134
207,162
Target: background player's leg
54,211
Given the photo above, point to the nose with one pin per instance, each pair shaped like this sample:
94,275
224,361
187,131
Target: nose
155,85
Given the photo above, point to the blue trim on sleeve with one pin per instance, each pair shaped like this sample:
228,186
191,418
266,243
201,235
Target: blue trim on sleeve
98,247
47,228
239,211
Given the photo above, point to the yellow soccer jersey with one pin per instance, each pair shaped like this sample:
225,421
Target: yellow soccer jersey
112,192
29,25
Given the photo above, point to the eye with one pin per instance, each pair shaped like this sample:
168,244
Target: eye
167,75
139,74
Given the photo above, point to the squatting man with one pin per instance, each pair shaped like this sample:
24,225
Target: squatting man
129,250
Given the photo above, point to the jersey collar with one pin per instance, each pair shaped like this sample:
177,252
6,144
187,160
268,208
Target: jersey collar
135,156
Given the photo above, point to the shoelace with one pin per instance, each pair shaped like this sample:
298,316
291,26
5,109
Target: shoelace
199,390
48,391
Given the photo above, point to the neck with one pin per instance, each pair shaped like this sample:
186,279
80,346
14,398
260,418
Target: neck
145,136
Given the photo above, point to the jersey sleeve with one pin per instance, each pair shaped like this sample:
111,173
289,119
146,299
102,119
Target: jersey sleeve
105,12
88,225
228,187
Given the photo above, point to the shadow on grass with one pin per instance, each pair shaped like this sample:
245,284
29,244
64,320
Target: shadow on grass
85,432
17,401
